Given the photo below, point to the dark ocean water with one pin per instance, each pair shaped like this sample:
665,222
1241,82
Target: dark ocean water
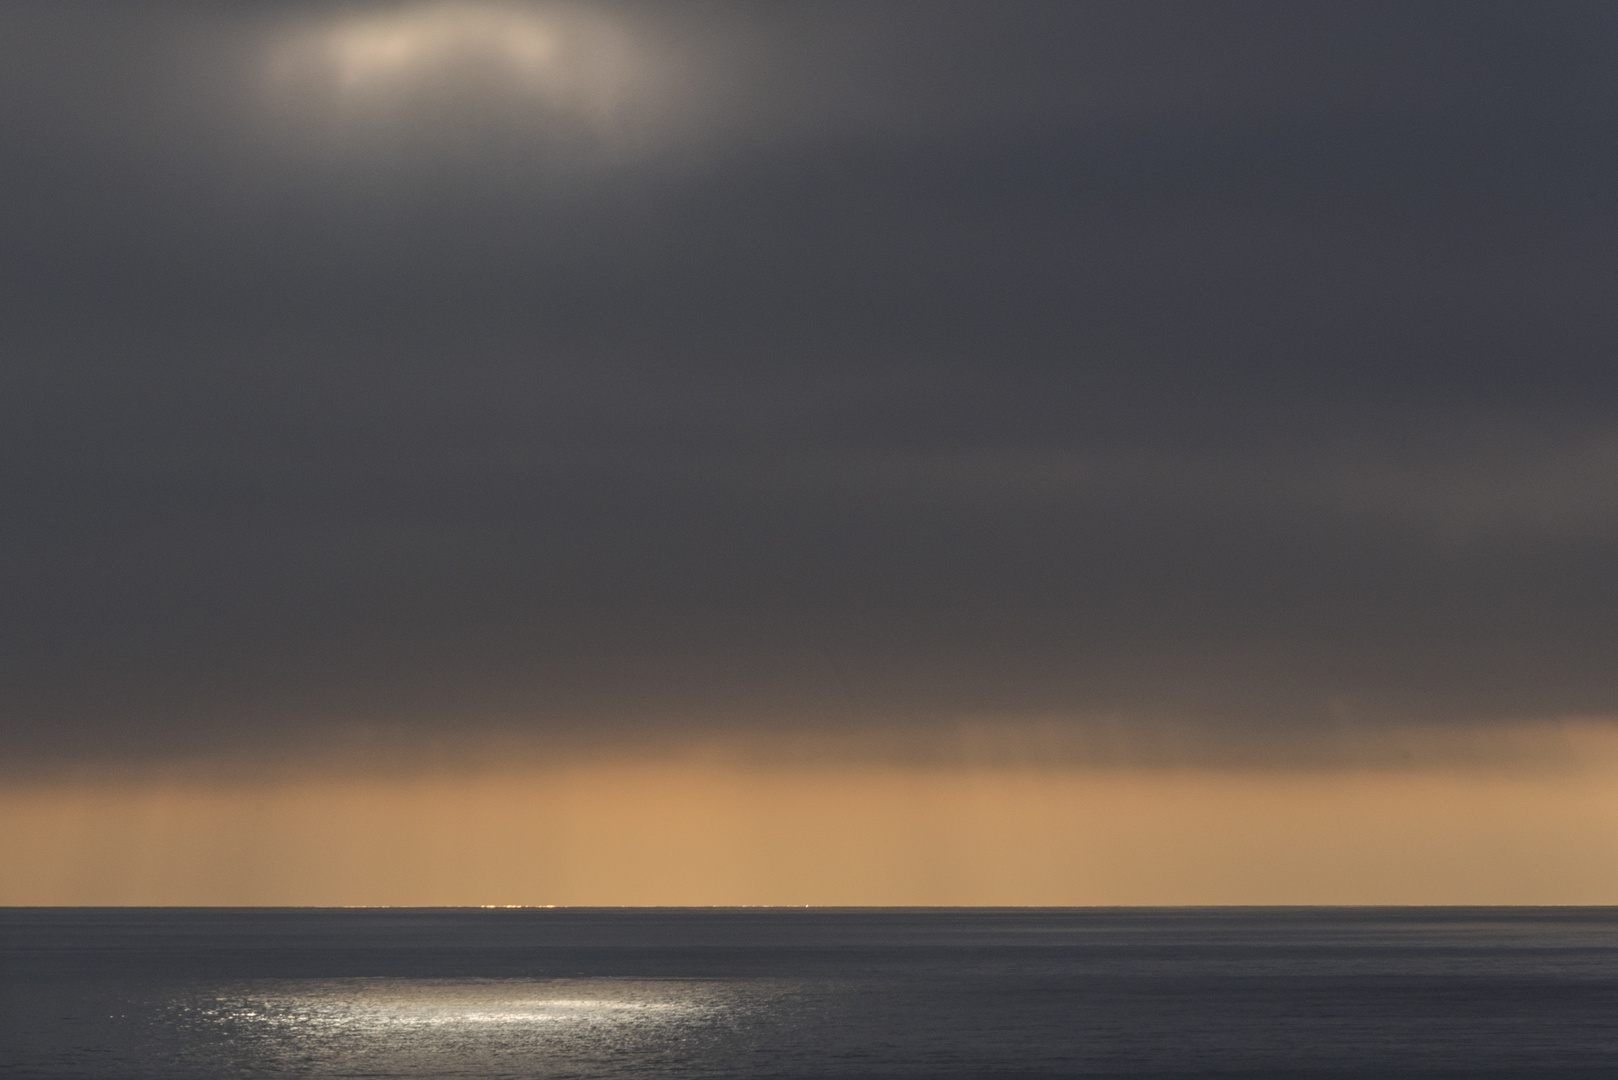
136,993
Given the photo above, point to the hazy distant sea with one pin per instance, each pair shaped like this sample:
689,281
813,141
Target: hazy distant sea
135,993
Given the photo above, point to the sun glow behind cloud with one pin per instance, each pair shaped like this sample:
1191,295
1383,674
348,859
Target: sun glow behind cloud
431,72
379,51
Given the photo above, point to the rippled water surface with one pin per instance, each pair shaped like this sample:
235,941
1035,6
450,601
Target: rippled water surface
808,993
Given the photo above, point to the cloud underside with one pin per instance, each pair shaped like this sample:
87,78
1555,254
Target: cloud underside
1206,385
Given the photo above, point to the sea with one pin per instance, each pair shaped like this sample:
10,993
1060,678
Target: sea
174,994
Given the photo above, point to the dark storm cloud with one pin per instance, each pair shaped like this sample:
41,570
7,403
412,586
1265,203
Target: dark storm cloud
1245,368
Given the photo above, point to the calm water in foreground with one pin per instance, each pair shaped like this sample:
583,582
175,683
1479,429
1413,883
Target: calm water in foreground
134,993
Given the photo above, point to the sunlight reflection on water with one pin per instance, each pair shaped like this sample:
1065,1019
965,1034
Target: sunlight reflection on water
415,1027
119,995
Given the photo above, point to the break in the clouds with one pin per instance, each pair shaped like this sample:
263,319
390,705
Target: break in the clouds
1222,377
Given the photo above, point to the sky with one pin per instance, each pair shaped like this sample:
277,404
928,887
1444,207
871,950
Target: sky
882,452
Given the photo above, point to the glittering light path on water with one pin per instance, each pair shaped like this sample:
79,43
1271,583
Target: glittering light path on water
414,1027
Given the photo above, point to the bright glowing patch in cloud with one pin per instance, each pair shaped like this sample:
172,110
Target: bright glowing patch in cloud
437,68
432,41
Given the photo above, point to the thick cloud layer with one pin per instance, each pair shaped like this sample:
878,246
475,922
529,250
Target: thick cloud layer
1242,371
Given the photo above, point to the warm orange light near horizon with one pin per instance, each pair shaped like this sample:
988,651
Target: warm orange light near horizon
696,833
